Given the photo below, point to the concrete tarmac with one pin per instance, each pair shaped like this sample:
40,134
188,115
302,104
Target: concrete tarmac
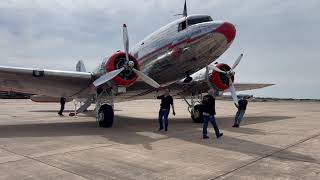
277,140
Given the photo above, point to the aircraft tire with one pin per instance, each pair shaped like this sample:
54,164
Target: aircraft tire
105,116
196,115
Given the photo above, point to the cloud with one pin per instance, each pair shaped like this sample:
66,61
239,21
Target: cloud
279,38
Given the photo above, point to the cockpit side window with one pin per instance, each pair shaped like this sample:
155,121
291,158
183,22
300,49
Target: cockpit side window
193,21
182,26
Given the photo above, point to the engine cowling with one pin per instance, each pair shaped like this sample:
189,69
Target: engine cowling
127,77
220,80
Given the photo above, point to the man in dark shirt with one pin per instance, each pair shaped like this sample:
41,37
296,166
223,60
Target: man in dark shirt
208,108
241,111
166,101
62,104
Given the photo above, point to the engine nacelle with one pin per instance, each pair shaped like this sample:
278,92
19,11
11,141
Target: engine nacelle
220,80
127,77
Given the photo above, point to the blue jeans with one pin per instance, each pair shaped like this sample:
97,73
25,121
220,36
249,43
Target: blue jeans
239,117
206,120
163,118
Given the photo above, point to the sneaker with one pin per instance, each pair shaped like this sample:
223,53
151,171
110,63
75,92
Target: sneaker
221,134
236,126
205,137
160,129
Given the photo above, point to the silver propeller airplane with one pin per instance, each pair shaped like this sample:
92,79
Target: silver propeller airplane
178,56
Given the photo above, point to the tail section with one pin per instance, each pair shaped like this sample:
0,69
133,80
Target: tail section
80,67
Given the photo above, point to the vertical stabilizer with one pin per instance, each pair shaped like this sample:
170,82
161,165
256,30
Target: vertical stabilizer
185,10
80,66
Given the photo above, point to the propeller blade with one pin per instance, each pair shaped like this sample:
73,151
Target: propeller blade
236,62
126,41
147,79
107,77
233,93
215,68
207,73
207,78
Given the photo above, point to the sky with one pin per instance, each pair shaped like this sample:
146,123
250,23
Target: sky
279,39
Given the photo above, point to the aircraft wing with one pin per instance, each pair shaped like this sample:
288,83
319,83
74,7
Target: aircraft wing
53,83
250,86
179,90
202,87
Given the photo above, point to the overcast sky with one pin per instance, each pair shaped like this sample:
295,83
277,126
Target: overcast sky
280,39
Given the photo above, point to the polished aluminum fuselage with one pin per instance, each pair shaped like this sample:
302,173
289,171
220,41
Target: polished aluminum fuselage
168,55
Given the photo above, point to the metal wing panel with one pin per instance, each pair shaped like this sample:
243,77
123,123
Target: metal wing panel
250,86
178,90
45,82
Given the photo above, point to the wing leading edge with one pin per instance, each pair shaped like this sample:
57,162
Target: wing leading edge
53,83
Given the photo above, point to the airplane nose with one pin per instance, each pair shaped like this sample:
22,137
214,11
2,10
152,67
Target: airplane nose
228,30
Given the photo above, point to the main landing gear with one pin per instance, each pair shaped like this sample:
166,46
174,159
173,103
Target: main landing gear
196,114
104,108
105,116
195,109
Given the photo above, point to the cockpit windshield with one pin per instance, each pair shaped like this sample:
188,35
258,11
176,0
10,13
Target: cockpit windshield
197,20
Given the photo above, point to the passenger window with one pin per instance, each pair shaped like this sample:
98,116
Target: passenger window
182,26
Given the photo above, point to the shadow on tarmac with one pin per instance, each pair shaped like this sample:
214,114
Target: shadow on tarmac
128,130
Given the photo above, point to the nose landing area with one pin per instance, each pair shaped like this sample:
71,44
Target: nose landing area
228,30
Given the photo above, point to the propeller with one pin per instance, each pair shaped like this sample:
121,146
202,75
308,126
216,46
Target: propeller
229,74
128,65
107,77
231,71
231,86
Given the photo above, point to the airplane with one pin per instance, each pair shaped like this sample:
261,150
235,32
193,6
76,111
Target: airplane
177,56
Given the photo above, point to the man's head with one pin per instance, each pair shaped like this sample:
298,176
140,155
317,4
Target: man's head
167,92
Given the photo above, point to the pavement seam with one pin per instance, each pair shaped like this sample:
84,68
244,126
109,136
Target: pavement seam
37,160
268,155
74,151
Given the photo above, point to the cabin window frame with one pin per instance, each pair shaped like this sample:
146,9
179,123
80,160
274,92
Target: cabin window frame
197,20
182,26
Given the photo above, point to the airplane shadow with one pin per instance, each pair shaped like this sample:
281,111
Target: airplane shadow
128,130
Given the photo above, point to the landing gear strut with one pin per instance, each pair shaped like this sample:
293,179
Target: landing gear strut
195,109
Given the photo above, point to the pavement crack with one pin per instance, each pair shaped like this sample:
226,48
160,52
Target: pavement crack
37,160
268,155
74,151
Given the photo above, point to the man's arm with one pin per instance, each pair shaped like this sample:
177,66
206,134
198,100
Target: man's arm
236,105
160,97
173,111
